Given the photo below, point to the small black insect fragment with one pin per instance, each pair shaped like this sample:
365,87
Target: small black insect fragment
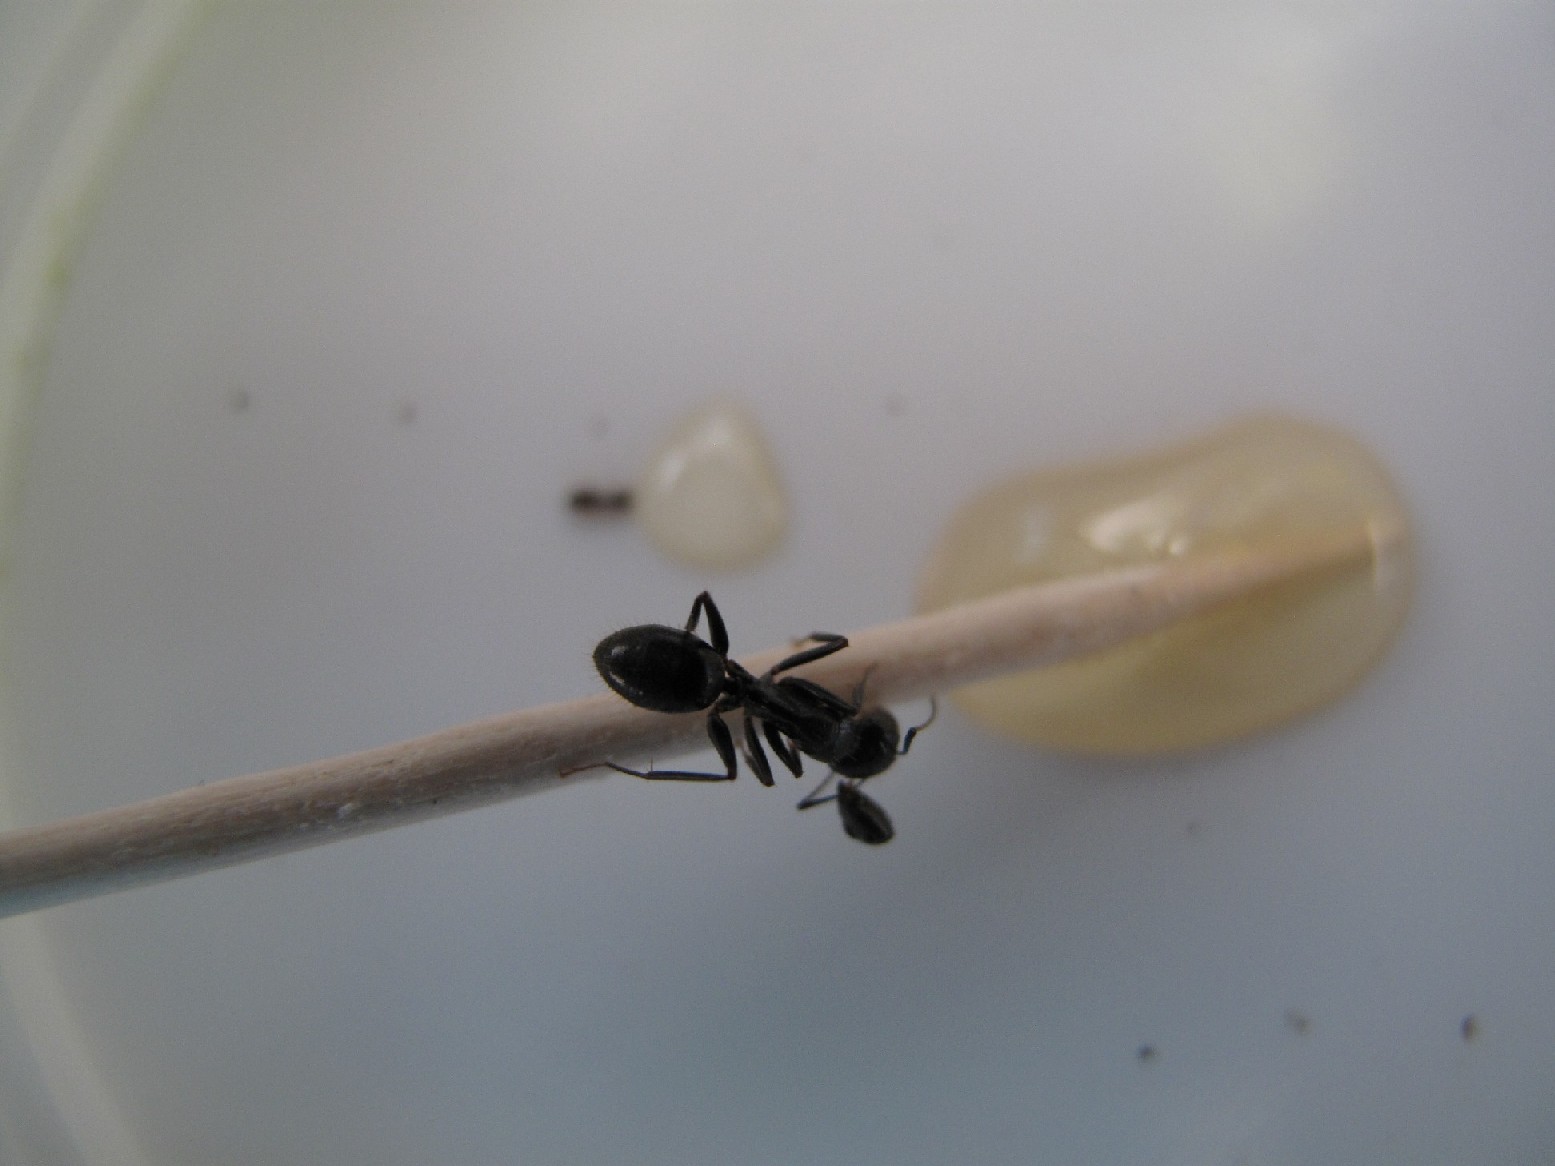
601,501
862,816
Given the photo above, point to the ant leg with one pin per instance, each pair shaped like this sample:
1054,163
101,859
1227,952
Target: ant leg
813,798
858,689
754,754
716,633
913,732
779,746
659,774
584,768
829,642
723,742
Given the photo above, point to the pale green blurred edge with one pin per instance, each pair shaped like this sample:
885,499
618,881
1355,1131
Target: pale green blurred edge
75,80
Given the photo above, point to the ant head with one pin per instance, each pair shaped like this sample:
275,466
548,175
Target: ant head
866,744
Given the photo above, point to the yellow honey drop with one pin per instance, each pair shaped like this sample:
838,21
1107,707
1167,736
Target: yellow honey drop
1262,484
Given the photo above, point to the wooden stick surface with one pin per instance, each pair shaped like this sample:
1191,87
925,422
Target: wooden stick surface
243,818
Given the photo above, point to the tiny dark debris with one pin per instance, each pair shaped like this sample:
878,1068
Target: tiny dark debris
1298,1022
1469,1028
1146,1054
600,501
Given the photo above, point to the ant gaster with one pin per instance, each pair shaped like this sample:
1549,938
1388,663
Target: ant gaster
672,670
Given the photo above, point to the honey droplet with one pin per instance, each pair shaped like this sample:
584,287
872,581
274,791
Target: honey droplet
711,496
1260,484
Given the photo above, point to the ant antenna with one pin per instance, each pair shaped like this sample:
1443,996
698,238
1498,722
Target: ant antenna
916,729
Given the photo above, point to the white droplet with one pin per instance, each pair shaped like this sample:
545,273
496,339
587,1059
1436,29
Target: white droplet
711,496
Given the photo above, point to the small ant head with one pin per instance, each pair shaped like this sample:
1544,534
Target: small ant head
866,744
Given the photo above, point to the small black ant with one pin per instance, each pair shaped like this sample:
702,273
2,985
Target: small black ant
672,670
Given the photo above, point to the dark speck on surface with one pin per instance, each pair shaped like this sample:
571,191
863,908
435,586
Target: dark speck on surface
600,501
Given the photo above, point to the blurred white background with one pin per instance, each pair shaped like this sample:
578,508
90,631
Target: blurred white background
355,292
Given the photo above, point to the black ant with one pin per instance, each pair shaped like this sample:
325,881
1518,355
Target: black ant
672,670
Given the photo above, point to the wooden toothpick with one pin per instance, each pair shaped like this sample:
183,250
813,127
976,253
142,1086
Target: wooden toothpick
242,818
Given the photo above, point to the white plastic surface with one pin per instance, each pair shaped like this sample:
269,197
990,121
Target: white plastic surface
368,288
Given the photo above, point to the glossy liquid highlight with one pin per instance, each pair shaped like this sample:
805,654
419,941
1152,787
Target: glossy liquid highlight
1262,484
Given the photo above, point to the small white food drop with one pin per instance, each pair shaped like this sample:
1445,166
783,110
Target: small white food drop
711,496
